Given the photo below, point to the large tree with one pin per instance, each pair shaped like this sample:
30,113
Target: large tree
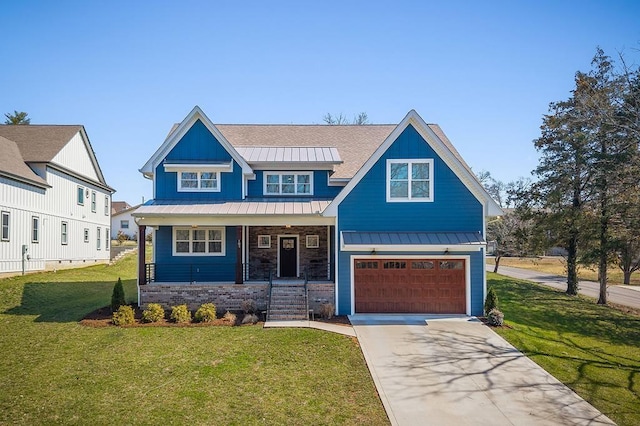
17,118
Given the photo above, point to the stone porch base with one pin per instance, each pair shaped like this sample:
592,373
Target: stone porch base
225,296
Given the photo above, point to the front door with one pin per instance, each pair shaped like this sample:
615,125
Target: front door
288,257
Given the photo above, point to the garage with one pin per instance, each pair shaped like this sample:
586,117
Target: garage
409,285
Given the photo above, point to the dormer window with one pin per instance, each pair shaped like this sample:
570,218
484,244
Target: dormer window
198,181
288,183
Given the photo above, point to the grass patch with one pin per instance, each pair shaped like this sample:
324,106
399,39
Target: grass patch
595,350
54,370
557,265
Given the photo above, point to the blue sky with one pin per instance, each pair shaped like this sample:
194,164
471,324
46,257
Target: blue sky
127,70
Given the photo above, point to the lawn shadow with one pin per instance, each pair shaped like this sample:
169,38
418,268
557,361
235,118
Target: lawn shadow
65,301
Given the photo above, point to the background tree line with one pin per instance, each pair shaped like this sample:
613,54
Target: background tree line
585,196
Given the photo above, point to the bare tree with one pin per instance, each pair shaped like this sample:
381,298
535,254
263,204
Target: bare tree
341,119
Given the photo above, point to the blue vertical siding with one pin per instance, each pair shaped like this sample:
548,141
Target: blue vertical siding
454,209
198,144
194,268
321,188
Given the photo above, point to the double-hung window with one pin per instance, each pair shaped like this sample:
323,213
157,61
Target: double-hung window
93,201
5,226
410,180
64,233
107,237
106,205
193,181
98,238
80,192
198,241
35,229
288,183
86,235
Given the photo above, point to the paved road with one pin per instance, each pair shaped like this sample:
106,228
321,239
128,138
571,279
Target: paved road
457,371
620,294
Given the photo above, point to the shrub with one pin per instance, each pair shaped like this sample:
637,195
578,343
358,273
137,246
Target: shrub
153,313
495,318
123,316
249,306
117,297
122,237
491,302
206,313
230,317
327,310
180,314
250,319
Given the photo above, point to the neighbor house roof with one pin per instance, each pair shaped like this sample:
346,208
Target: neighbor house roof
12,164
118,206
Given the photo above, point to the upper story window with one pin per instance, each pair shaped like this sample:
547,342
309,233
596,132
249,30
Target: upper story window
287,183
198,181
106,205
5,226
410,180
198,241
80,195
93,201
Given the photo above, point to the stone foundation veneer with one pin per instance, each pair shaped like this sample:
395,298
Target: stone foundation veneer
224,296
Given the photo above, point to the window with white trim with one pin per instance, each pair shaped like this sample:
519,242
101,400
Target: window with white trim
124,224
98,238
198,242
107,238
410,180
93,201
106,205
35,229
193,181
64,233
80,192
288,183
86,235
5,226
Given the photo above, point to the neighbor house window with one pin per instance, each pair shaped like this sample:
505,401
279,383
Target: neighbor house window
93,201
86,235
5,226
198,241
288,184
35,229
124,224
81,195
107,238
98,238
64,233
106,205
198,181
410,180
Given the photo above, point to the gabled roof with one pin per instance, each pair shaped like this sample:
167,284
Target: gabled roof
13,166
129,209
441,145
176,134
118,206
41,143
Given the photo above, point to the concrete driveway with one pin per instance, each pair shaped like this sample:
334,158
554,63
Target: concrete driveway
457,371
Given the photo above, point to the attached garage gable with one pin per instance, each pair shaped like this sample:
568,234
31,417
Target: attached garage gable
410,285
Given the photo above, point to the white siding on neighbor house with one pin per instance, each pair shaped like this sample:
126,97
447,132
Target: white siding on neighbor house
52,206
74,156
116,220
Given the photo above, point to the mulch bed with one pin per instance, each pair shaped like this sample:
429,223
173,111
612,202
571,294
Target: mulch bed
102,318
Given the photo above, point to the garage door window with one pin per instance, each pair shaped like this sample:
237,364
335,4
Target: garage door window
395,265
423,264
448,264
366,265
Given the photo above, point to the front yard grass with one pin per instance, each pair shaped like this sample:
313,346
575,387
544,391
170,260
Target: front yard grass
593,349
54,370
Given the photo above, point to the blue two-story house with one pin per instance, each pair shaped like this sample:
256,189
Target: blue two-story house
374,218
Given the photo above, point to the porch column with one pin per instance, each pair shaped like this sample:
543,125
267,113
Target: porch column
142,276
239,255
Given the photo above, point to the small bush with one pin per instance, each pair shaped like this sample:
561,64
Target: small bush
495,318
491,302
117,297
206,313
249,306
153,313
122,237
123,316
250,319
327,310
230,317
180,314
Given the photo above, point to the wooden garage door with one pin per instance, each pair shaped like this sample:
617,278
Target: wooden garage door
410,286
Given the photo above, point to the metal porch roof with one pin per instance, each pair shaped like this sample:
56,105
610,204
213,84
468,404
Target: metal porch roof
411,238
235,208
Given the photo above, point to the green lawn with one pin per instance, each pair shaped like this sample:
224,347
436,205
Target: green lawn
53,370
595,350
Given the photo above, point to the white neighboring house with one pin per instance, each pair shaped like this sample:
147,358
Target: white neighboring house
123,221
55,205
